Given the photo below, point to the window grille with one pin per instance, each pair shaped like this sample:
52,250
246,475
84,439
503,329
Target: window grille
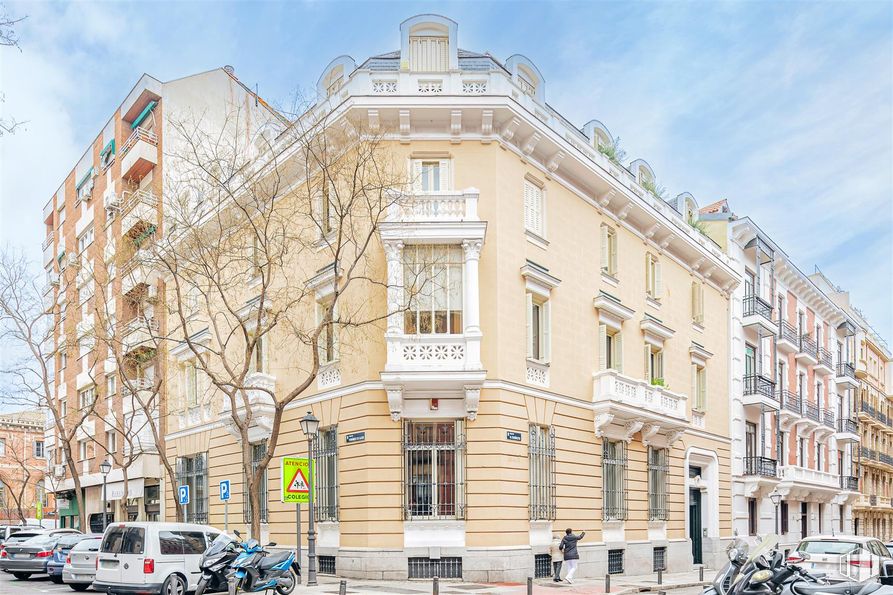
658,467
615,561
325,455
258,452
441,568
434,470
193,471
614,480
659,559
326,564
542,473
542,565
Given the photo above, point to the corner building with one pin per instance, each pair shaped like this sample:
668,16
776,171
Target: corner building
575,373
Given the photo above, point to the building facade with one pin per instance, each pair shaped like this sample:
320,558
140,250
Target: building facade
574,375
22,467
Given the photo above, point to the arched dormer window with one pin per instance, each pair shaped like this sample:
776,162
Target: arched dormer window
687,206
642,171
334,76
527,76
428,44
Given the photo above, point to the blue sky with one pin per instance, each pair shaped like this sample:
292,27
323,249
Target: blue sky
785,109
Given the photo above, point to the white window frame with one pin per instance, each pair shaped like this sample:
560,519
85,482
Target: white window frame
86,398
429,53
259,362
534,208
111,443
654,364
653,283
699,387
608,250
539,327
610,342
697,302
428,278
426,180
328,336
82,450
85,239
190,383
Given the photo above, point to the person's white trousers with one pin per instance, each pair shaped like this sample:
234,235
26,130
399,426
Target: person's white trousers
571,568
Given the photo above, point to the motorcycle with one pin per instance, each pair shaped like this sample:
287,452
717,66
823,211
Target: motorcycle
215,563
255,569
722,582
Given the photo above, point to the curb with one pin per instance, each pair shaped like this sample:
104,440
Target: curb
654,588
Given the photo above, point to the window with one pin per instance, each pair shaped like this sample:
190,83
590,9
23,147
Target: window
38,449
659,559
431,175
181,542
63,359
124,540
821,515
86,398
2,447
326,564
111,442
541,461
783,513
258,452
801,452
652,276
750,360
258,357
82,450
325,454
446,567
429,53
654,365
615,561
193,471
542,565
432,276
85,239
538,328
818,456
327,211
752,516
609,251
614,480
533,208
328,340
697,302
610,356
190,384
434,470
63,410
699,387
658,467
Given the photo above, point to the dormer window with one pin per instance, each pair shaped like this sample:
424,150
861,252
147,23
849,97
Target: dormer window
429,53
527,81
334,80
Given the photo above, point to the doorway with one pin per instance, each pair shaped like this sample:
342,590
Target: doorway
695,531
804,519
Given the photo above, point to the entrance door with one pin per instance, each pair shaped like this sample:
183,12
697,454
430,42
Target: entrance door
694,525
804,519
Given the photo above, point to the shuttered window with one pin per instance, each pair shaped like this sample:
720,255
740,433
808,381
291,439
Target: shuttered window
538,328
699,387
328,336
533,208
428,53
608,250
697,302
654,365
610,354
652,276
431,175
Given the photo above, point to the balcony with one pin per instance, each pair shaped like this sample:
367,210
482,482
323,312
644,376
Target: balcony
48,249
138,207
825,365
872,500
847,431
800,483
256,398
760,391
788,341
758,315
440,206
846,376
828,418
140,333
631,403
849,483
811,411
885,458
807,353
762,466
139,154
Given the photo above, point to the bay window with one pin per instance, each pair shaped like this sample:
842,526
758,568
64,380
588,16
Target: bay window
432,277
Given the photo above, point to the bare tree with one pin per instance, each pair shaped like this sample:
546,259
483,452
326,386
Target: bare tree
19,476
8,38
27,369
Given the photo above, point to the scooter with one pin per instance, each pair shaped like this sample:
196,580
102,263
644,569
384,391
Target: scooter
215,563
254,570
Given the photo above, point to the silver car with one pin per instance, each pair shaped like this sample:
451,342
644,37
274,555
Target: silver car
80,566
841,557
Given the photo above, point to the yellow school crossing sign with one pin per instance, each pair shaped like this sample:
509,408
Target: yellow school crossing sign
296,477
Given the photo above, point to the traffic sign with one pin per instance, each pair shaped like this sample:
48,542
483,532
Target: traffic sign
39,514
296,475
224,490
183,495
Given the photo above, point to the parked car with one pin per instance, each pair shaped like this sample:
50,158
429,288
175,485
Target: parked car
60,553
889,547
841,557
143,558
25,535
30,556
8,530
80,564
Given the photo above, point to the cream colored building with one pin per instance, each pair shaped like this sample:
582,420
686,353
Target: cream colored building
575,373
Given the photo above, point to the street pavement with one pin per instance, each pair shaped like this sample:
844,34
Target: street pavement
673,584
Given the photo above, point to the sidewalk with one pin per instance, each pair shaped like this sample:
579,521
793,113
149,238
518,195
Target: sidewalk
620,585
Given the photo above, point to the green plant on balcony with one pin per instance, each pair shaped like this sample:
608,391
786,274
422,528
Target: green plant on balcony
698,226
613,151
144,235
653,187
658,382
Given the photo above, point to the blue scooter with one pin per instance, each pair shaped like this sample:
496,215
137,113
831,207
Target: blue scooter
255,569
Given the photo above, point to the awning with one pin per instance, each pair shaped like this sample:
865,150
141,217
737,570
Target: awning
115,490
143,114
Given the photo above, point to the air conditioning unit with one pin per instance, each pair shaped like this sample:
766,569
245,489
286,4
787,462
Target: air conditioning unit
110,200
73,259
59,470
54,278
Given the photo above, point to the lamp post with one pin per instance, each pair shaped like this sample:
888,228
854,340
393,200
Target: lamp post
104,468
310,426
775,497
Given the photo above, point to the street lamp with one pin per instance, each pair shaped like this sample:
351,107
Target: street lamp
104,468
775,497
310,426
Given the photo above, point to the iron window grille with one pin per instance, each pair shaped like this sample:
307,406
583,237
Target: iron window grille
325,456
441,568
542,565
659,559
541,459
434,470
326,564
193,472
615,561
658,469
258,452
614,486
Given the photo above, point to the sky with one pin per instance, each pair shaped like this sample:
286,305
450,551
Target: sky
785,109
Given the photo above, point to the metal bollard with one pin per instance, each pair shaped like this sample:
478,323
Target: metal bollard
529,585
701,573
436,589
607,583
342,588
660,576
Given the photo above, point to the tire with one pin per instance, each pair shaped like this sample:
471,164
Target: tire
293,576
201,586
79,586
22,576
56,578
173,585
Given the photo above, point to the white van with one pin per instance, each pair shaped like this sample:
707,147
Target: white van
151,558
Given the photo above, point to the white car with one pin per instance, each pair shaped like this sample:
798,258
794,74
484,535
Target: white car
145,558
842,557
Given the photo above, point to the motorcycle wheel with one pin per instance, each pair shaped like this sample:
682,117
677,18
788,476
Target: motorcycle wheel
200,587
232,586
293,578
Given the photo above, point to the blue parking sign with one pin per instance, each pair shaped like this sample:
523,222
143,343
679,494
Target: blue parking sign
183,495
224,490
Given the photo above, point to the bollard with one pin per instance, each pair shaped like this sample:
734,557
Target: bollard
701,573
342,588
660,576
529,585
436,590
607,583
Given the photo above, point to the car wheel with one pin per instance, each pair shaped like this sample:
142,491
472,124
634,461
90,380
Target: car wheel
56,578
173,585
79,586
22,576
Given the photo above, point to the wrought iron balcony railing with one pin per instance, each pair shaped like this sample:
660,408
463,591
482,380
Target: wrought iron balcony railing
828,417
824,357
849,483
807,345
811,411
847,425
790,400
763,466
755,384
787,332
755,305
846,369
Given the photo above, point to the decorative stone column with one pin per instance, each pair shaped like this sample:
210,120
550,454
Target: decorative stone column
471,303
394,255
